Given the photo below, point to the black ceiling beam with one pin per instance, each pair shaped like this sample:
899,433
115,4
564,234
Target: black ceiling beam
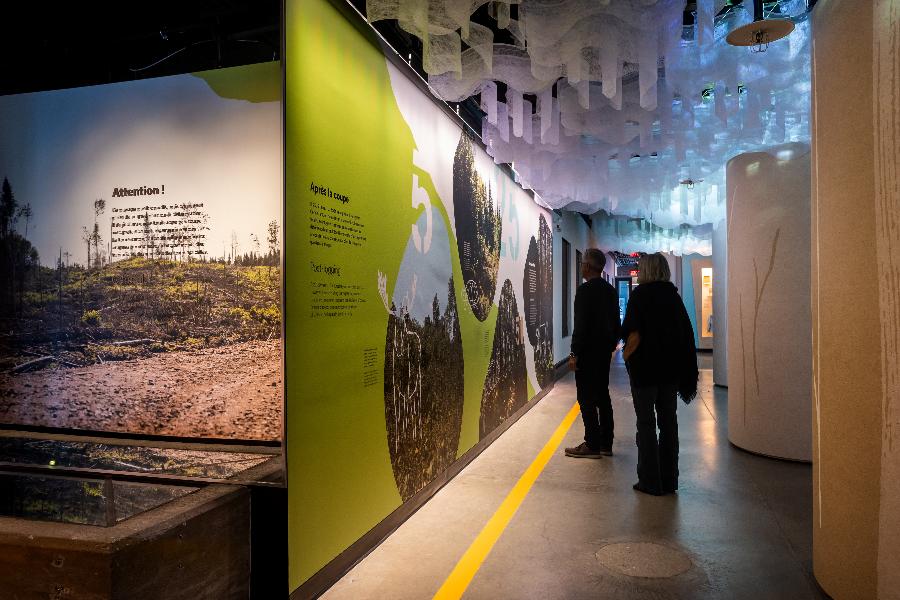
68,45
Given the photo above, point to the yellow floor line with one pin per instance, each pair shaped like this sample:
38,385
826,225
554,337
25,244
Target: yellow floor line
471,561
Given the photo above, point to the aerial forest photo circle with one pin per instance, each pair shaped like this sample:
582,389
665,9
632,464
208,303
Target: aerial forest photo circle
478,228
505,388
538,288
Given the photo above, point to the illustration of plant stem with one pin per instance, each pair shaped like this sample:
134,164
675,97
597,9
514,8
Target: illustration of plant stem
759,294
743,355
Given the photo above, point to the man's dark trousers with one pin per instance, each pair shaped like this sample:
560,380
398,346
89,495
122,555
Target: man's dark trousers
592,388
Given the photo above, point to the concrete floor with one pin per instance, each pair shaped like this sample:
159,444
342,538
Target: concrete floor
744,521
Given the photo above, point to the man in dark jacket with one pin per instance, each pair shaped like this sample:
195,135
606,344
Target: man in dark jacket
594,339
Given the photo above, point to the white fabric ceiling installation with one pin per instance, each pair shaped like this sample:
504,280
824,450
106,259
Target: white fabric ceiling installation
629,101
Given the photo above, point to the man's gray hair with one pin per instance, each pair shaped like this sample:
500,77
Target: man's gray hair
595,259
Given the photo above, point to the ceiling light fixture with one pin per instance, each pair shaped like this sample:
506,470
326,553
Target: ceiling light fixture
761,32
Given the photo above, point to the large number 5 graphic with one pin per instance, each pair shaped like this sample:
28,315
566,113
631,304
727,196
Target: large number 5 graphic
514,214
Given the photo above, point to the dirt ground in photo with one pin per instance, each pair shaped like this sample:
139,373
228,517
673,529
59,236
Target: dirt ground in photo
231,391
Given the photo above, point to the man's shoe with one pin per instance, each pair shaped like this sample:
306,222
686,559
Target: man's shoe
583,451
606,450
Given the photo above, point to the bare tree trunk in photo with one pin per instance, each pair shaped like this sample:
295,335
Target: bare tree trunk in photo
59,294
86,238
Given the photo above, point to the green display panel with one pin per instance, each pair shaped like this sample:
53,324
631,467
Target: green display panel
418,290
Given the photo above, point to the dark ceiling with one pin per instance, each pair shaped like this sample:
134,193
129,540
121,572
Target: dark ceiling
56,45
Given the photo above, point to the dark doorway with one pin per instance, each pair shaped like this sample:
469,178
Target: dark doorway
623,289
566,282
578,278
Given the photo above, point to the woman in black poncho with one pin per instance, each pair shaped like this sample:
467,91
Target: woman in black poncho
662,362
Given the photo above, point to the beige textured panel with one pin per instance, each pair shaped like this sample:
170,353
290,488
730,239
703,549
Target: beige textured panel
886,92
769,332
846,319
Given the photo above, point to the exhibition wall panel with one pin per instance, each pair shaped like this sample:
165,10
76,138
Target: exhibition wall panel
688,293
701,279
140,254
418,287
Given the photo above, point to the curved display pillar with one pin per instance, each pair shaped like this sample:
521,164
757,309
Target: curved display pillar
720,303
856,303
769,324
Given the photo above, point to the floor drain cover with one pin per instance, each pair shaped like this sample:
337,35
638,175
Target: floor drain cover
640,559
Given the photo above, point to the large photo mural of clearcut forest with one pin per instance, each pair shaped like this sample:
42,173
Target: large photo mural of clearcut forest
138,294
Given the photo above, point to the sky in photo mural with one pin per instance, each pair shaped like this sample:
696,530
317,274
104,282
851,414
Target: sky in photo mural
420,281
140,250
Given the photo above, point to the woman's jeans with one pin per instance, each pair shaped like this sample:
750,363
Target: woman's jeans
657,467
